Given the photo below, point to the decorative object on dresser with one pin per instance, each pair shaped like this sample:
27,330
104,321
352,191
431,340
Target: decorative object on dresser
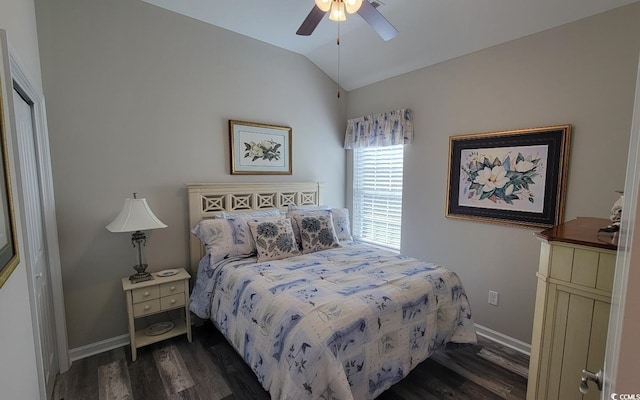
136,216
260,149
616,210
165,293
575,280
516,177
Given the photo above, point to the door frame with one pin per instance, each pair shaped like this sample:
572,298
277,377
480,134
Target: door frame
623,323
23,84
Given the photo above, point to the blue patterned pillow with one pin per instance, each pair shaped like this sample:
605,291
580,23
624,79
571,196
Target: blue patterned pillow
217,236
316,232
296,229
274,239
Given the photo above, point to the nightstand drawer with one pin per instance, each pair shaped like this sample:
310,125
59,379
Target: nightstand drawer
147,307
146,293
172,301
169,288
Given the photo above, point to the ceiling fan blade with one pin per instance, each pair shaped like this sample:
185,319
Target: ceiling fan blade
377,21
310,23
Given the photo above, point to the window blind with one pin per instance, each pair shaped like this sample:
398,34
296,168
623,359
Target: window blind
377,195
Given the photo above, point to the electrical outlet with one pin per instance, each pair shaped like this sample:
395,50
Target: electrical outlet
493,298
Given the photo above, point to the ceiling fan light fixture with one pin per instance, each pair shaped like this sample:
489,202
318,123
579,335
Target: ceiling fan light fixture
337,11
352,5
324,5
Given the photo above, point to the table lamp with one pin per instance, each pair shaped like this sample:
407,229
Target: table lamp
136,216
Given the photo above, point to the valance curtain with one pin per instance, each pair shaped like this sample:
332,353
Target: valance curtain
379,130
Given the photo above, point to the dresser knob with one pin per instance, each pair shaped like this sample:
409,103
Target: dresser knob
146,294
173,301
147,307
173,288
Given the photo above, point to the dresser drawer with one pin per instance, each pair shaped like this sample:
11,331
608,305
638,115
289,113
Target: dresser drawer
170,288
146,293
587,267
173,301
146,307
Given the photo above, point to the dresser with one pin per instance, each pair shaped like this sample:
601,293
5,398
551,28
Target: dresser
573,297
160,295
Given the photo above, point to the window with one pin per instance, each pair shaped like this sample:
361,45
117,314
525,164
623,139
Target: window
377,195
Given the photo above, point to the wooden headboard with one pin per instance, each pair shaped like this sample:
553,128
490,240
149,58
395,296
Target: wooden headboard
206,200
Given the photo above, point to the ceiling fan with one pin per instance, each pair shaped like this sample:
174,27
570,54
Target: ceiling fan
336,8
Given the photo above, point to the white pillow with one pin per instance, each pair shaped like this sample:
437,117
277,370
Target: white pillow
342,224
293,207
251,214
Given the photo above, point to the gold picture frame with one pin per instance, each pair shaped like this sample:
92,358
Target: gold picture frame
260,149
516,177
9,257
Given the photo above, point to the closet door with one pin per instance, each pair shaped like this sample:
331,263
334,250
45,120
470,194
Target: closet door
35,248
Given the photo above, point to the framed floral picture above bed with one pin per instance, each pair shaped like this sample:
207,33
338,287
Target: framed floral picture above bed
260,149
514,177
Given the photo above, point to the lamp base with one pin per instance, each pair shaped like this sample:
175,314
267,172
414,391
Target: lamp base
140,277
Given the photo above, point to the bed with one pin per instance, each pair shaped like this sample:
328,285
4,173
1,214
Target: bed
344,322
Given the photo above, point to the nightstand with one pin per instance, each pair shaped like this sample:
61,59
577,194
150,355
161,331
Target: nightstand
153,297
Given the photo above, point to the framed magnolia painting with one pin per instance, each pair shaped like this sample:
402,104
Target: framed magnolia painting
260,149
514,177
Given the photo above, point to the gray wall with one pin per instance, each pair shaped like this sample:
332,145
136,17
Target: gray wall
138,100
582,74
18,378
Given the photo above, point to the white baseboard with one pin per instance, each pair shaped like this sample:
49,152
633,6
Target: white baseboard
123,340
98,347
504,340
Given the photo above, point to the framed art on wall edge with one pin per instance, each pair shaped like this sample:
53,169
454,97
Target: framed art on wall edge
516,177
9,258
260,149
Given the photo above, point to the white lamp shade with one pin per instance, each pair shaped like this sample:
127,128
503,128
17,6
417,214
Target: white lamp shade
324,5
135,216
337,12
352,5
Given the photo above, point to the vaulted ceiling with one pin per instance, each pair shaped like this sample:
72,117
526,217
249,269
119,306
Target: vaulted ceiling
431,31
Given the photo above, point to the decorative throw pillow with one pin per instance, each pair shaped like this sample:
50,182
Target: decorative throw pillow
342,224
274,239
316,232
303,212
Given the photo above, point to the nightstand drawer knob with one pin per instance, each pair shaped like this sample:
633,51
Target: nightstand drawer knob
147,307
173,288
173,301
146,294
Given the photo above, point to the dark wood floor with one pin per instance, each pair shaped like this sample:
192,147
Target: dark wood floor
210,369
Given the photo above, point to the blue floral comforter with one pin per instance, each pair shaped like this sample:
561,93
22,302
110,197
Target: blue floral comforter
345,323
